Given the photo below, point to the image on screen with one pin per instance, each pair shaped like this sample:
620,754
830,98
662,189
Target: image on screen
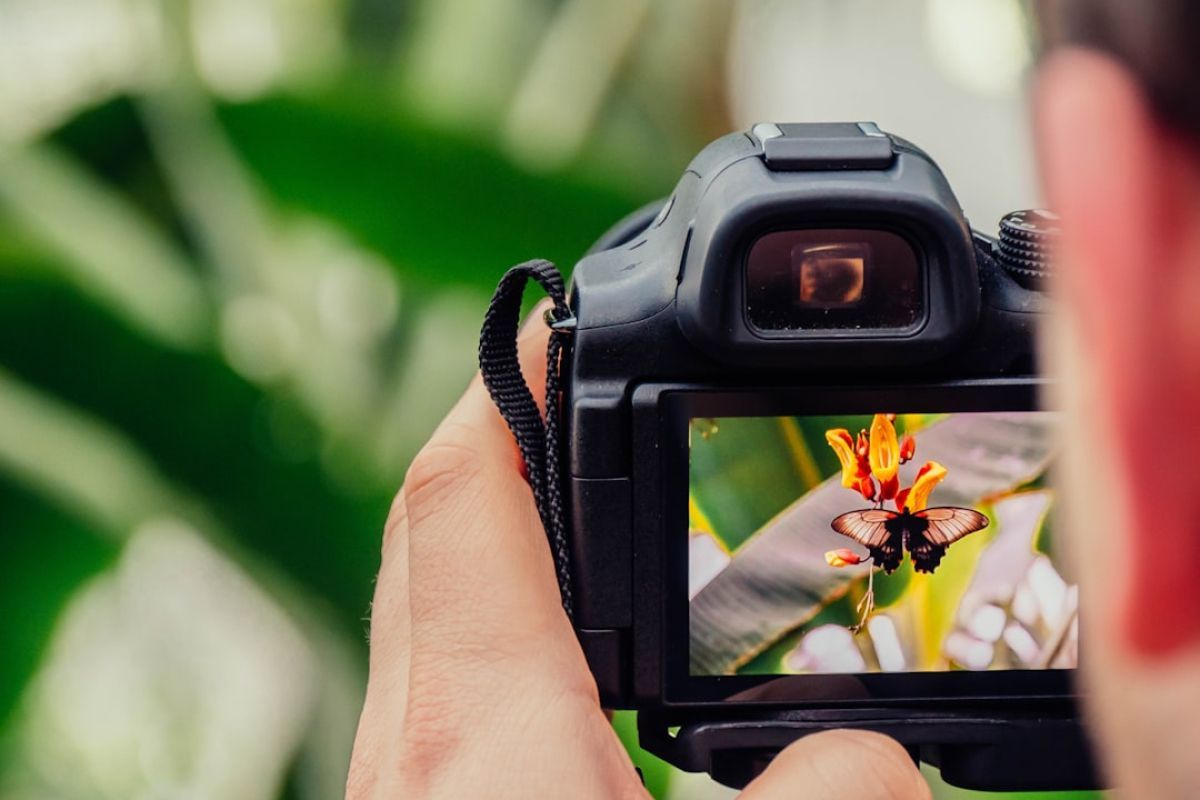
876,543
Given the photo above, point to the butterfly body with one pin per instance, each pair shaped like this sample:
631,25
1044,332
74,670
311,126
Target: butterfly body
924,534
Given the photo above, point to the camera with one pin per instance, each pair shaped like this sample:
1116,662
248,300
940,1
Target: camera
804,471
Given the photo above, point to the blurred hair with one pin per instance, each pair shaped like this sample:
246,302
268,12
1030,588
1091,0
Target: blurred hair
1158,40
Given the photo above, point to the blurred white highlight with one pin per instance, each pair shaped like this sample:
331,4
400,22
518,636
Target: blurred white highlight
889,651
981,45
1050,591
987,623
706,559
171,676
57,56
968,651
829,648
1022,643
238,46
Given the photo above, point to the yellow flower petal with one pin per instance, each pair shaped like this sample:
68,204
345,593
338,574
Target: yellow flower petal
843,445
930,476
885,449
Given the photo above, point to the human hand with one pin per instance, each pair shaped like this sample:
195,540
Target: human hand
477,684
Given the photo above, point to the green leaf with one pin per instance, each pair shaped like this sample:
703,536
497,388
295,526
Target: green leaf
207,430
744,472
656,773
47,554
443,208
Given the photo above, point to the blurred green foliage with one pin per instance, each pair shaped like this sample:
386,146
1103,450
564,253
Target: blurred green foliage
53,554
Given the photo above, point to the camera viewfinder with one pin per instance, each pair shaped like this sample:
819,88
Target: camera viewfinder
832,275
833,279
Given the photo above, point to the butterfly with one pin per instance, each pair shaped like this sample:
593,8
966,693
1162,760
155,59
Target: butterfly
925,534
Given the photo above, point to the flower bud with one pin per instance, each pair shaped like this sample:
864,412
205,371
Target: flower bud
842,557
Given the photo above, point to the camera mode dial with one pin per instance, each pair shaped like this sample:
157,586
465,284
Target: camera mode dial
1026,250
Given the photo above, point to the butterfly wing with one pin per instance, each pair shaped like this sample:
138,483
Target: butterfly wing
870,528
943,527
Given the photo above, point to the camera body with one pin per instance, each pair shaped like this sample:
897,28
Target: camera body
795,270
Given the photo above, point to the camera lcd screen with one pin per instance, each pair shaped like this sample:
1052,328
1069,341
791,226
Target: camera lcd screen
875,543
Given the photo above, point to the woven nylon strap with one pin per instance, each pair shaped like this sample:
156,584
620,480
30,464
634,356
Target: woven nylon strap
537,440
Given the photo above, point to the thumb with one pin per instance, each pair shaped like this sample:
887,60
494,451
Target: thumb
838,765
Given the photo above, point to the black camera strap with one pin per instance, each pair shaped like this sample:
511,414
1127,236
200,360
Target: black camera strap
501,369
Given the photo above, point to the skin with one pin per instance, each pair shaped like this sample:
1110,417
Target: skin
1127,349
477,685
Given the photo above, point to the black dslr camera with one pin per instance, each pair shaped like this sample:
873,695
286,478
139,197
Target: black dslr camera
795,470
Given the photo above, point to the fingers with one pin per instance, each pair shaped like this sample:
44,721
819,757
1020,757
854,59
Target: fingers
835,765
478,687
381,724
483,597
478,538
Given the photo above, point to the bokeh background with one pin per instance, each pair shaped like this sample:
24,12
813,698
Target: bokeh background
244,250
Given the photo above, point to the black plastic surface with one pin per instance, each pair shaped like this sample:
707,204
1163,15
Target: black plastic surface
607,654
603,558
976,750
628,227
911,199
824,146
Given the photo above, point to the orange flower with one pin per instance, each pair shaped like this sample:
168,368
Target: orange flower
843,445
866,487
871,464
917,498
842,557
885,450
888,489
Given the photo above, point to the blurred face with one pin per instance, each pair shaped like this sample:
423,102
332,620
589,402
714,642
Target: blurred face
1127,351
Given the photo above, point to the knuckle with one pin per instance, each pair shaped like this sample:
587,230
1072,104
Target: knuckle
445,729
439,472
395,529
432,739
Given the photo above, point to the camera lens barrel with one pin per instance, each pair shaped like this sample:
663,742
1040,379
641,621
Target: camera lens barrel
1026,249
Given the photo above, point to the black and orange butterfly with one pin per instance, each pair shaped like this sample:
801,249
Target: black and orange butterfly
925,534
